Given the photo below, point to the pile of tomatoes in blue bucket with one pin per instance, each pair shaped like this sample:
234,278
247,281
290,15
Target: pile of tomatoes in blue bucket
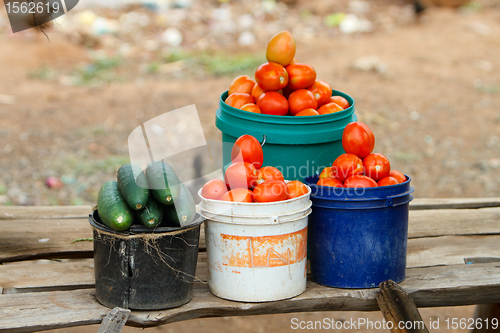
358,228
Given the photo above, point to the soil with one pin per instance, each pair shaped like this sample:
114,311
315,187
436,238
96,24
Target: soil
429,90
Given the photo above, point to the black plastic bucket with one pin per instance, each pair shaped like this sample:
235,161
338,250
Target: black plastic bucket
142,268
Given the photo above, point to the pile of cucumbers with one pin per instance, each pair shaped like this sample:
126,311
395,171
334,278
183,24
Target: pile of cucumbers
154,198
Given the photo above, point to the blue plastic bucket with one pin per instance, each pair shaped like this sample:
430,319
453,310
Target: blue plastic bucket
358,237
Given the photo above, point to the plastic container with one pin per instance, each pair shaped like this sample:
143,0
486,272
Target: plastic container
259,255
145,269
358,237
298,146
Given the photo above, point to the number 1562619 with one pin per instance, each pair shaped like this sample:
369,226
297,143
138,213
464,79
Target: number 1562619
471,323
30,7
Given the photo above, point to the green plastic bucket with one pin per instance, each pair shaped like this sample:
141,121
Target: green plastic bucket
297,146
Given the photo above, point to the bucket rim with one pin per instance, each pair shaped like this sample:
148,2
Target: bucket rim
253,204
257,217
288,119
305,215
138,229
352,194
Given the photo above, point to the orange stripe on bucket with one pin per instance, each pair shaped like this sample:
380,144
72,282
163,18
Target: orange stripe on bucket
264,251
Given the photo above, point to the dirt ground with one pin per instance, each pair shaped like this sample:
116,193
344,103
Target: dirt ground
430,91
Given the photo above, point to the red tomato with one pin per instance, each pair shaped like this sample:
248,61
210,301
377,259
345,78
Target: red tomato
360,181
268,173
377,166
274,190
322,92
358,139
300,100
238,195
250,107
271,76
400,177
386,181
256,92
296,189
214,189
272,102
326,173
331,182
247,149
237,100
329,108
300,76
347,165
242,84
281,48
241,175
307,112
341,101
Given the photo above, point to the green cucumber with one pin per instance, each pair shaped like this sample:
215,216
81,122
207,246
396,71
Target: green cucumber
112,207
163,182
133,185
184,210
152,213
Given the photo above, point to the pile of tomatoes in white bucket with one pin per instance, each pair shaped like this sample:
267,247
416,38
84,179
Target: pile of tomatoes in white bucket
246,180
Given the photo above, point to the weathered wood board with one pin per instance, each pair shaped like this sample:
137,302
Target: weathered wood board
44,238
49,238
41,294
453,203
20,277
43,212
429,287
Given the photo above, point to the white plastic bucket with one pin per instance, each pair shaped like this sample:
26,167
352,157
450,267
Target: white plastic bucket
254,257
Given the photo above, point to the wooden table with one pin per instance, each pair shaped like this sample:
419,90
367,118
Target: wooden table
453,259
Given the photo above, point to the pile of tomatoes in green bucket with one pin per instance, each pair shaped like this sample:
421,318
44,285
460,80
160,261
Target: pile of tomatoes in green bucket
302,117
283,86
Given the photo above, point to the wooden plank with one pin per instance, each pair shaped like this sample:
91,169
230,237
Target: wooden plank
45,275
398,307
29,239
21,277
432,286
44,212
42,276
450,250
49,310
423,223
453,203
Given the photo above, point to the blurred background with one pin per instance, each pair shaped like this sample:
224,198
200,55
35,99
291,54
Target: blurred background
424,75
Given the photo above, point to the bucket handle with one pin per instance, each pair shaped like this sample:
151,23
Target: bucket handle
264,140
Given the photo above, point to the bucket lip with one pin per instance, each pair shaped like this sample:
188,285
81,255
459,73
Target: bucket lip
306,214
292,120
257,217
254,204
352,194
137,229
